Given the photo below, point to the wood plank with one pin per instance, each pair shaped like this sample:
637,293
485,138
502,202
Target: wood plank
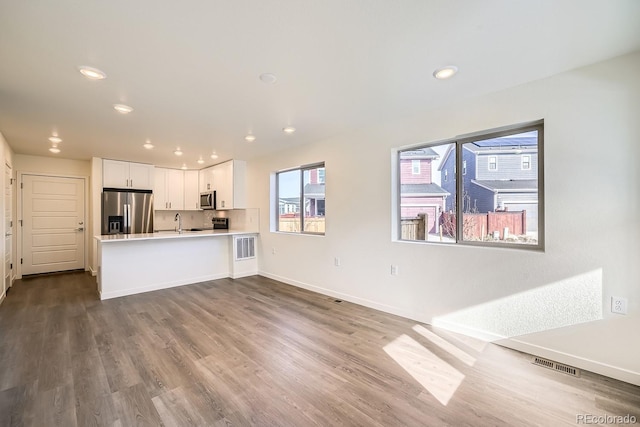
254,351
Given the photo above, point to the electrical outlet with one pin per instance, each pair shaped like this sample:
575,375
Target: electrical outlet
395,270
619,305
273,250
336,262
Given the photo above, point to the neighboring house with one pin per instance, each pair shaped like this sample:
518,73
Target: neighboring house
499,174
314,193
289,205
418,193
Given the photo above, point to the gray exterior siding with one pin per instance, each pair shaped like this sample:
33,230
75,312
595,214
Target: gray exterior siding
509,166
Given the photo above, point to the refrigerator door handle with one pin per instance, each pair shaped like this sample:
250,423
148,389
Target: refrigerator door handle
127,219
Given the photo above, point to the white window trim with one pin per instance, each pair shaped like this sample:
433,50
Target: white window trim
415,163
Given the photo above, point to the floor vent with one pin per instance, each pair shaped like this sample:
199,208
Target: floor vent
245,247
337,300
550,364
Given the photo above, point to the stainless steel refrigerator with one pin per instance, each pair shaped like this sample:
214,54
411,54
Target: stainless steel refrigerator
127,212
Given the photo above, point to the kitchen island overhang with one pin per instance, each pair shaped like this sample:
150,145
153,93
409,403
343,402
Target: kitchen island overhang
134,263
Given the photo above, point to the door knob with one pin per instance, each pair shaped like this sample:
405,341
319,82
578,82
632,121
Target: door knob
80,229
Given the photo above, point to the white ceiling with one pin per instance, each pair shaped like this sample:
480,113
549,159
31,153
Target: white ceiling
190,68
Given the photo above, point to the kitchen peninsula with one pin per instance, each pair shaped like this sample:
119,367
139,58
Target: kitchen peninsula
135,263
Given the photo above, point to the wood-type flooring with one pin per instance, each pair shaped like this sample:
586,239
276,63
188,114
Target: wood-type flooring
254,351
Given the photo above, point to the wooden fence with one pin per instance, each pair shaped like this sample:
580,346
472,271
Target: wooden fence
414,228
490,225
292,224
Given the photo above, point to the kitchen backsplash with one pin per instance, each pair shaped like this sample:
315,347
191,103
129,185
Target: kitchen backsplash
239,219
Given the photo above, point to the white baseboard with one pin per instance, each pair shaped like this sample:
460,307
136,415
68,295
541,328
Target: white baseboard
617,373
346,297
244,274
159,286
93,272
465,330
2,297
579,362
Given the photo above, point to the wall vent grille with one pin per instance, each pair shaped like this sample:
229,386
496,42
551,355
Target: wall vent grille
550,364
245,247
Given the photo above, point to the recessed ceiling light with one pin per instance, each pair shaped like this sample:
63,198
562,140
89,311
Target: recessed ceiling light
200,160
445,72
250,138
54,150
268,78
184,166
122,109
55,139
289,130
214,156
178,152
92,73
148,145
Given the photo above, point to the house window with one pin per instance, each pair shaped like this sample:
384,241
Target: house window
493,163
301,199
415,167
488,207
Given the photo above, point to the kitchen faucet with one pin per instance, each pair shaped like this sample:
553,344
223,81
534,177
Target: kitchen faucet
179,219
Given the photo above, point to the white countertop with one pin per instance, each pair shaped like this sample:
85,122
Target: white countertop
169,235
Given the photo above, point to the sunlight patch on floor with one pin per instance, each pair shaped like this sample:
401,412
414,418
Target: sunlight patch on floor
434,374
445,345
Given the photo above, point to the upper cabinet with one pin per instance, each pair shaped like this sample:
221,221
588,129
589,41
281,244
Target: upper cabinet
169,189
206,179
191,191
119,174
229,183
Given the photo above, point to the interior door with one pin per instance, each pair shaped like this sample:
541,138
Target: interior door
8,193
53,224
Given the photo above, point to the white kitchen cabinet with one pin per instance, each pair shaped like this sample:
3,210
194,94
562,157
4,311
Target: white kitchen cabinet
191,190
206,179
229,183
168,192
119,174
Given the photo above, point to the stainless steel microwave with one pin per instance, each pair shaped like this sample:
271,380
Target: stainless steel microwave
208,200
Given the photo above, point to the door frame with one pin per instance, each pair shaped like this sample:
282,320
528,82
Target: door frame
19,221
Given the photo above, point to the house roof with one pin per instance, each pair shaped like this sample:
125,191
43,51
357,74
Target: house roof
509,186
420,153
315,191
289,200
423,190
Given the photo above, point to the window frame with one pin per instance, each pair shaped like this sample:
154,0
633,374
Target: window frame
528,162
489,163
459,142
302,170
415,162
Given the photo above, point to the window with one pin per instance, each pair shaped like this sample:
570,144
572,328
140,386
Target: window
493,163
301,199
415,167
488,207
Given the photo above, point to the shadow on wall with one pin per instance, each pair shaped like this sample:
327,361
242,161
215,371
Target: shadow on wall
567,302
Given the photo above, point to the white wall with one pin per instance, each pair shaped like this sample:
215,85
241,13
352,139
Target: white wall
592,152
